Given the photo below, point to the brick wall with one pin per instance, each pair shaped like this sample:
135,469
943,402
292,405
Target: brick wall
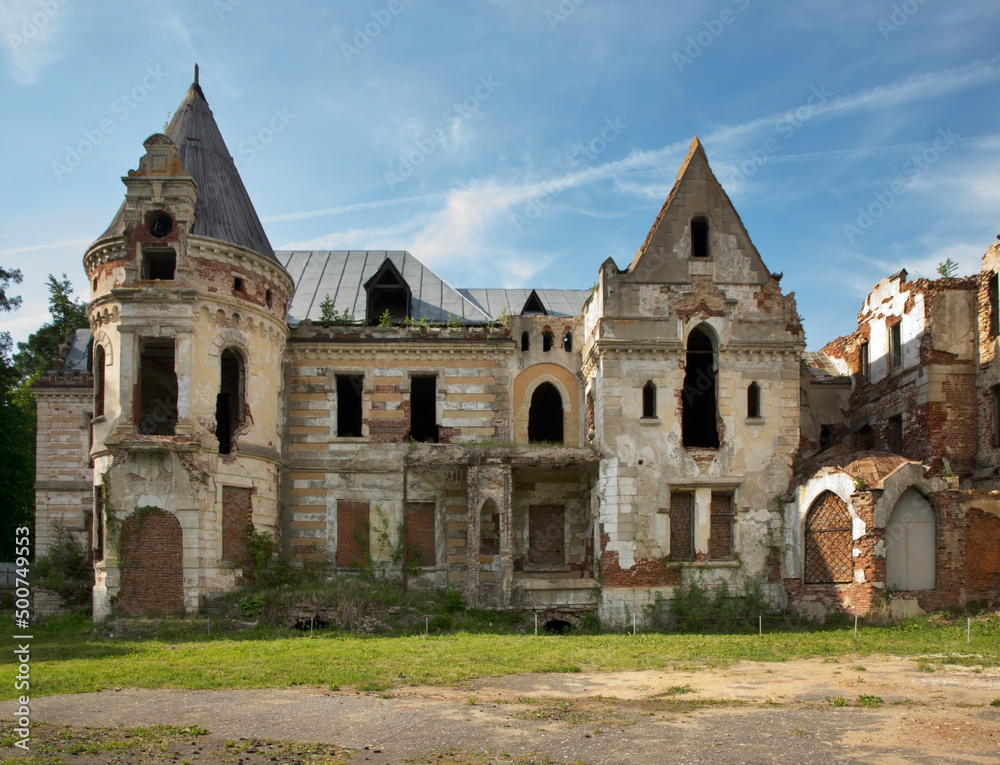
237,514
352,532
983,555
152,564
681,525
720,540
420,531
546,535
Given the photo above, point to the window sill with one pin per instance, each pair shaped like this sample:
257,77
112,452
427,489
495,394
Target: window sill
754,421
649,420
98,419
727,563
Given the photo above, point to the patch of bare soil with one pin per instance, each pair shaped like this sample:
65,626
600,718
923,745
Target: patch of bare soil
803,711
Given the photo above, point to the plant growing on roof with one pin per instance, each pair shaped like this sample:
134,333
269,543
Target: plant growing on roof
329,316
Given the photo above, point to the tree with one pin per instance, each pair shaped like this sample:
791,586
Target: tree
36,356
947,268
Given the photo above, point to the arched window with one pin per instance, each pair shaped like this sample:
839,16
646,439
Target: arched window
568,342
699,237
699,426
98,380
753,401
229,404
828,541
649,399
547,341
525,341
545,415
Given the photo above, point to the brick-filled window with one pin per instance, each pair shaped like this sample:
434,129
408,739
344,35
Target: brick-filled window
349,389
352,533
546,535
420,533
865,362
720,536
896,345
828,541
681,525
237,516
896,434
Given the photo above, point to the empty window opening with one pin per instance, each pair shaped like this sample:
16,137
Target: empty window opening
423,409
568,342
420,534
238,284
95,284
161,224
753,401
864,438
229,403
681,525
349,405
896,434
649,399
546,341
525,341
828,541
157,388
720,535
388,293
826,436
489,529
99,380
267,298
896,345
545,415
533,306
699,237
699,426
995,391
546,535
993,286
865,362
159,265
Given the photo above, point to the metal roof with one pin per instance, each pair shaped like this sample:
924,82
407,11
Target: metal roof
822,368
78,357
556,302
223,210
341,274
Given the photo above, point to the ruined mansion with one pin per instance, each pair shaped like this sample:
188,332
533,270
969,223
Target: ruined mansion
557,451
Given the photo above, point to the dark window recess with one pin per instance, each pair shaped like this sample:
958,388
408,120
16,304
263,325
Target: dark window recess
698,422
649,399
865,362
826,436
489,529
993,286
98,542
420,534
525,341
99,363
545,415
388,291
159,265
267,298
229,403
996,414
533,306
896,345
157,388
864,438
95,284
896,434
349,405
423,409
720,533
160,225
546,535
546,341
568,342
753,401
238,284
681,525
699,237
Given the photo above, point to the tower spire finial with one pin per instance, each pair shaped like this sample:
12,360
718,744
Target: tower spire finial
195,74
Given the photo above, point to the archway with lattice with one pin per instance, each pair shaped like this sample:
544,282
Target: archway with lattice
828,541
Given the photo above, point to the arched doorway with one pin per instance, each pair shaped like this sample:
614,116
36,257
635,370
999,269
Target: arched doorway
152,563
229,403
545,415
699,421
910,544
828,549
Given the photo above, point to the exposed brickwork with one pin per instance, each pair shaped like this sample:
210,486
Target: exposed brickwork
546,534
720,541
983,555
152,564
681,525
237,514
420,528
828,541
352,532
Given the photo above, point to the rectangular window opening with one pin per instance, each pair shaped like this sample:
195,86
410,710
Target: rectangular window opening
157,387
994,298
896,345
159,265
896,434
720,539
866,361
423,409
681,525
349,389
826,436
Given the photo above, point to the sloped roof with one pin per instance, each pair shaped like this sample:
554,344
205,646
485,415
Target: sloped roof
556,302
78,356
872,466
223,210
823,370
342,274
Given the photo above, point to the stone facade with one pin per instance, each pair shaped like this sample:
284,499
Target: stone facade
668,424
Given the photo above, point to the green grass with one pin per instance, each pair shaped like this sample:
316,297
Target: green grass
71,656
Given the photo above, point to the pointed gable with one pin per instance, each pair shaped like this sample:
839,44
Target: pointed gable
533,305
387,290
223,210
698,222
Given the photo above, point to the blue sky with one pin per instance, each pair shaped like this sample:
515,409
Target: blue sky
521,143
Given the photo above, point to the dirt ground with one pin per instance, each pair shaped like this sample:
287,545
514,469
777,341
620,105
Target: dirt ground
808,711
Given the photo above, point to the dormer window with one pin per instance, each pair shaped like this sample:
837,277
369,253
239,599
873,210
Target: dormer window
389,293
699,237
533,306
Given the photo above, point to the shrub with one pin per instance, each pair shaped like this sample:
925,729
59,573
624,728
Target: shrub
66,568
696,607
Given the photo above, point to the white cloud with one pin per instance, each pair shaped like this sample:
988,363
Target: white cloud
32,36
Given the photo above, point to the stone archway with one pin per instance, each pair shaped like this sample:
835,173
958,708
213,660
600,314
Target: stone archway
910,544
152,563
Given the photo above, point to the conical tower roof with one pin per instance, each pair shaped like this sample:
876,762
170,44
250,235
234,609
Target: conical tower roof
223,210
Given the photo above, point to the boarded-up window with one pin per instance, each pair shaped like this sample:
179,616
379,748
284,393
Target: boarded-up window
911,544
896,434
828,541
546,535
720,540
681,525
420,533
352,533
237,515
